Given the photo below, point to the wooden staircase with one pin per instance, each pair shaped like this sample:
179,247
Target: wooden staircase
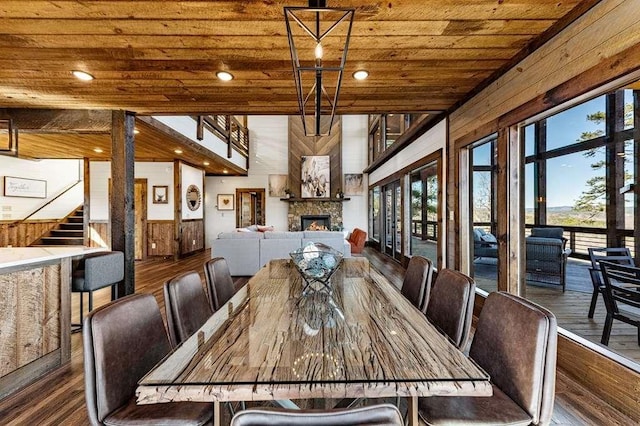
69,232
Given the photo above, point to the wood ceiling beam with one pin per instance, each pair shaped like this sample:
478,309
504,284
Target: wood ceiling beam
206,27
59,121
273,10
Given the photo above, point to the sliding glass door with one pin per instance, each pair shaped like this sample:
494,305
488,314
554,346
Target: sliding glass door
392,203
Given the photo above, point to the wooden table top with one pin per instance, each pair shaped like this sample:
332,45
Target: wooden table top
270,342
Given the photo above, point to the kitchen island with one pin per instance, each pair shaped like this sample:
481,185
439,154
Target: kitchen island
35,312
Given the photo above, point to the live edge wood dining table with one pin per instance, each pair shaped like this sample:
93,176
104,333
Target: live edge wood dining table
272,342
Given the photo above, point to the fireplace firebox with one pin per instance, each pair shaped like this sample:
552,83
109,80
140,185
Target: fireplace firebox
321,222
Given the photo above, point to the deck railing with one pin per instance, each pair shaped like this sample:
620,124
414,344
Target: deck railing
580,238
425,230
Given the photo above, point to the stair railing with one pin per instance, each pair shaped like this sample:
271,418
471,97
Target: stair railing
60,194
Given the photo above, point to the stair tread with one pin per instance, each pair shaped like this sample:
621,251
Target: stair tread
61,238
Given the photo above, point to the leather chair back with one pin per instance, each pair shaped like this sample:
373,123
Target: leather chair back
516,343
186,305
451,305
123,340
219,282
383,414
357,239
99,270
416,285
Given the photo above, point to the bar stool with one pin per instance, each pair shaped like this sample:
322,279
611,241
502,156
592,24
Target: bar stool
96,271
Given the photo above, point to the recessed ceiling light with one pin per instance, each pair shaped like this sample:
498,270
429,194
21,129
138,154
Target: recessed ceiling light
136,131
206,163
225,171
82,75
224,75
361,74
177,151
98,150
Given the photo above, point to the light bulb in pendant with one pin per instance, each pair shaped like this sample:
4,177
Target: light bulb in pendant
319,51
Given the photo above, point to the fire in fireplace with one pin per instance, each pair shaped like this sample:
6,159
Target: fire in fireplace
320,222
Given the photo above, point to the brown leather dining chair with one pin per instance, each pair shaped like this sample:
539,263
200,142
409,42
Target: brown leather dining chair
219,282
383,414
124,340
186,305
451,305
516,344
416,285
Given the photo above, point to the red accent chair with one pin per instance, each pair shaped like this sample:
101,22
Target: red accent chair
357,239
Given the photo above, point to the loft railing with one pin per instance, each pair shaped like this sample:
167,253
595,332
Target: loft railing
48,202
227,128
239,137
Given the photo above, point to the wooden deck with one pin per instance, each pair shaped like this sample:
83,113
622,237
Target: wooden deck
570,307
58,399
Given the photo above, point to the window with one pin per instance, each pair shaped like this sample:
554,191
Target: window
424,212
577,162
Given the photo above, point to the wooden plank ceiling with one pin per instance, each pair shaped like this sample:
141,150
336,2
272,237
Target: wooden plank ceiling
161,56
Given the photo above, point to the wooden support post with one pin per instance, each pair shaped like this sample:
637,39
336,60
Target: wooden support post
511,247
86,205
177,209
121,202
200,128
636,172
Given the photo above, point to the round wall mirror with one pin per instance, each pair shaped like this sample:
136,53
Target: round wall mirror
193,197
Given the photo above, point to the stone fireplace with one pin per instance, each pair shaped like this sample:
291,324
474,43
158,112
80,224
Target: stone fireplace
329,209
320,222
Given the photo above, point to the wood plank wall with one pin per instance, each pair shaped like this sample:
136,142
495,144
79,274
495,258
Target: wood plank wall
25,233
99,234
192,236
609,28
599,47
301,145
29,316
160,233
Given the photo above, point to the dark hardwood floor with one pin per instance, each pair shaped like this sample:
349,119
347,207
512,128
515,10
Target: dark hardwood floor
58,399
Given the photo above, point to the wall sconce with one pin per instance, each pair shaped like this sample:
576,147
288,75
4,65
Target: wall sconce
318,60
8,138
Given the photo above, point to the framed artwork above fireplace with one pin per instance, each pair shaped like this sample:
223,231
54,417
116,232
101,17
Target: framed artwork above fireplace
315,176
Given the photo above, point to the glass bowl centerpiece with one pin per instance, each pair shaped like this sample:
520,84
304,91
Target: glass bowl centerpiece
316,263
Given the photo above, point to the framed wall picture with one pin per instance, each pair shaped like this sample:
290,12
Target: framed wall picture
316,176
353,184
23,187
160,194
225,202
278,185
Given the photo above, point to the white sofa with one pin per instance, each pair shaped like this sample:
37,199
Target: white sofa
247,252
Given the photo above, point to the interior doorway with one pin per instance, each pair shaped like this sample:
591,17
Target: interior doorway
140,212
250,207
140,217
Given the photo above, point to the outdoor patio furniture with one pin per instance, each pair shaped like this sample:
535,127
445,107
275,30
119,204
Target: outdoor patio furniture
619,255
485,244
547,255
621,292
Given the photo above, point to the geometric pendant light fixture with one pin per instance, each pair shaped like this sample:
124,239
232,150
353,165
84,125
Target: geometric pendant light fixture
318,41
